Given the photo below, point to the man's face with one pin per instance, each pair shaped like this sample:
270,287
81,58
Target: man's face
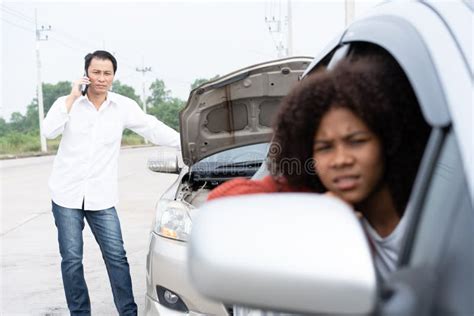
101,75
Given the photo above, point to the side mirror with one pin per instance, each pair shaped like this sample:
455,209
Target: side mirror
166,161
289,252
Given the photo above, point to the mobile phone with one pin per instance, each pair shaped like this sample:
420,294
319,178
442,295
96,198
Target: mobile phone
84,87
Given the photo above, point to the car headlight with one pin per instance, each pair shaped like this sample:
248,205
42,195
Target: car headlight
173,219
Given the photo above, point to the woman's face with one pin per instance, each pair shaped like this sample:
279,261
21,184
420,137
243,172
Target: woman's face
348,156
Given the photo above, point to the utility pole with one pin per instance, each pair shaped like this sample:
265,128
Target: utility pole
289,36
349,4
143,70
283,33
39,32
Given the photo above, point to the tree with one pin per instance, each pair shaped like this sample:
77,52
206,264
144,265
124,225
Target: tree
18,122
200,81
168,112
51,92
163,106
3,126
159,93
125,90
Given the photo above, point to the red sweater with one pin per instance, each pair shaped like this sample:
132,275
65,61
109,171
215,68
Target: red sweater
240,186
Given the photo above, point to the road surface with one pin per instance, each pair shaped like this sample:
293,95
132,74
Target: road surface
30,260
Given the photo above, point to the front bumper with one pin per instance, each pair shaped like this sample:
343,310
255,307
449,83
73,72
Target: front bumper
154,308
166,267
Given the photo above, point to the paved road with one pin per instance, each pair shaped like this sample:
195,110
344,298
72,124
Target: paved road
30,261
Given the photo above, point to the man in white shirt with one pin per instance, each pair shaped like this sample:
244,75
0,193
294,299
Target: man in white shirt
83,183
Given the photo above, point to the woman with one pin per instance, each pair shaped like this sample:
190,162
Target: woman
355,132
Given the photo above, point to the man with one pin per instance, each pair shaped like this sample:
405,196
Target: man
83,182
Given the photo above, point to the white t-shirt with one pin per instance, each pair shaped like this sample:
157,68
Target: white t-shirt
386,249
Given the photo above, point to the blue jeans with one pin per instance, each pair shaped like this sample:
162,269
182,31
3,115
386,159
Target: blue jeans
105,226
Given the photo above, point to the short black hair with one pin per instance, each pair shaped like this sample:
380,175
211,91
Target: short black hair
100,54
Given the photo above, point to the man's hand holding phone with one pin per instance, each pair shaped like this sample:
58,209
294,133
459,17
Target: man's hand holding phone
79,87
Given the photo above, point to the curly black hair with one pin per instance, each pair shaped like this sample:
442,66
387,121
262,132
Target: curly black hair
374,87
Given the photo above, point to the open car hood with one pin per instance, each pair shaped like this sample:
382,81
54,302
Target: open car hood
236,109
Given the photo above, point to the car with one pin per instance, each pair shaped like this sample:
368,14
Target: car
288,252
225,132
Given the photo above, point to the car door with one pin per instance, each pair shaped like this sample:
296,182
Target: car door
436,273
436,268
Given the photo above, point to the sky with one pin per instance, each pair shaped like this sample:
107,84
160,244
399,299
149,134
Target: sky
180,40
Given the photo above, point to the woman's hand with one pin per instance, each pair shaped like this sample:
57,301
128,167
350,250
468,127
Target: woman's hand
329,193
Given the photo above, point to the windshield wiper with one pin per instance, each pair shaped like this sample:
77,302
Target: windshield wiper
242,164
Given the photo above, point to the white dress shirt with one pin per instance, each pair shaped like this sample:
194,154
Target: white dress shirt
86,165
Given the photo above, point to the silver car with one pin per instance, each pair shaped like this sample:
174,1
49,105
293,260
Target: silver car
310,269
225,129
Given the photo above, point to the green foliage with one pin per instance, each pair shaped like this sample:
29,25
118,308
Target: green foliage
18,123
130,139
125,90
168,112
29,122
159,93
53,91
21,133
163,106
200,81
19,142
3,127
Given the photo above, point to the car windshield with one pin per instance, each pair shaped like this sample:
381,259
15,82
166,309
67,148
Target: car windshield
237,162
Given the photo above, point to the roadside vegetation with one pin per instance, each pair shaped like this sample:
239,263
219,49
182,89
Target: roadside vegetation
20,135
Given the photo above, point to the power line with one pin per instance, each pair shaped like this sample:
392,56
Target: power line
64,43
14,24
123,60
30,20
11,11
64,38
20,15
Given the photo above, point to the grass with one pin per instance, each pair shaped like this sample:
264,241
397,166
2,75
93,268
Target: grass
29,143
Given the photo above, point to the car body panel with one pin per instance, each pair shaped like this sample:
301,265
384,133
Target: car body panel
447,56
431,45
437,276
457,15
167,263
236,109
438,30
264,255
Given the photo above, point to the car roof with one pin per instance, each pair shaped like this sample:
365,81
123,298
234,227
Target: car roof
443,32
456,15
